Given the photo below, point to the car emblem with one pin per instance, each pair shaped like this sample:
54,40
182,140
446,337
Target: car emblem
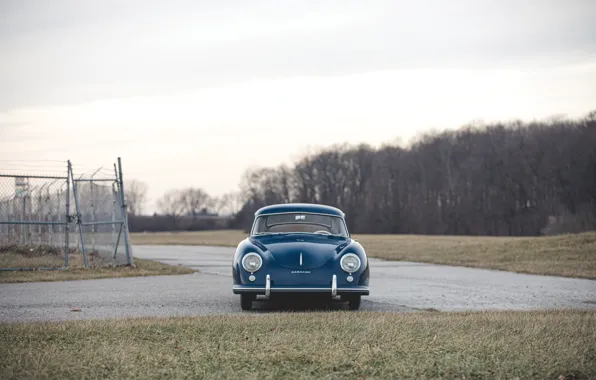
300,258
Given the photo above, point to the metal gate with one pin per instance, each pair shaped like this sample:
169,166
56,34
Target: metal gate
63,213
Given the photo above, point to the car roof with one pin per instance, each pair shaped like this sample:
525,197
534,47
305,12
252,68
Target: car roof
299,207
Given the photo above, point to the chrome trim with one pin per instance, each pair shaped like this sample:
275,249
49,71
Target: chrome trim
346,255
253,289
301,212
268,286
334,286
251,254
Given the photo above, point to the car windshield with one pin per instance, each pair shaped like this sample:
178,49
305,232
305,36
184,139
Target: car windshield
301,223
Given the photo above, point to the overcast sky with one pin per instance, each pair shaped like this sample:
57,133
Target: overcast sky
191,93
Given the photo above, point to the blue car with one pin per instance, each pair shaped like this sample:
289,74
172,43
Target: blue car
300,248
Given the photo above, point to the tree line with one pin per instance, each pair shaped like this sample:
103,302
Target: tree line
515,178
189,209
511,179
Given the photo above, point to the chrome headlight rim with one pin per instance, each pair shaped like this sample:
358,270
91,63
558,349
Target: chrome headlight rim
248,255
350,270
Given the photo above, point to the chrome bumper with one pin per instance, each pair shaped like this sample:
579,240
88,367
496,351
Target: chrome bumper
268,289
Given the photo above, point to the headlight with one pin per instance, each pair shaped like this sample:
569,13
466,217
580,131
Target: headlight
252,262
350,262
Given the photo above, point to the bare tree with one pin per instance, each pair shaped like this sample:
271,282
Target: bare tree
170,204
228,204
194,201
135,192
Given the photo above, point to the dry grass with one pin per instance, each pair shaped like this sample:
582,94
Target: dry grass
491,345
565,255
225,238
99,267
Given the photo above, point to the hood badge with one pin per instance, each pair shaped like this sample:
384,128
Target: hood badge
300,271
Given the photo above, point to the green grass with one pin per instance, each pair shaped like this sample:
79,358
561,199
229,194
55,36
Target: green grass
571,255
330,345
99,267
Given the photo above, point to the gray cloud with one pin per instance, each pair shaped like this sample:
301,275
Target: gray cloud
63,52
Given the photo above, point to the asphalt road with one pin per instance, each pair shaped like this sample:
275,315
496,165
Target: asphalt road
395,286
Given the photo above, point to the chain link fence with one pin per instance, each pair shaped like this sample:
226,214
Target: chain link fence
47,221
33,217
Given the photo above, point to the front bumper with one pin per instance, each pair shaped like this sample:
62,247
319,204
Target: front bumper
268,289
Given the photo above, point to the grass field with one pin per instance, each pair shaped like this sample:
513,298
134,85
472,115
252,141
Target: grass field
225,238
492,345
99,268
565,255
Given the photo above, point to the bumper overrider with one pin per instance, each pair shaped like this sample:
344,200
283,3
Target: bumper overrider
268,289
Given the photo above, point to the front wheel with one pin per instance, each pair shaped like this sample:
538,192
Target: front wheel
246,301
354,302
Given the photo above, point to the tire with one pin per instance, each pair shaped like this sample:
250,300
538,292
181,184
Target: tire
246,301
354,302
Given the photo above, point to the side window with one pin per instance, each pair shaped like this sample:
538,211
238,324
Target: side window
258,225
335,226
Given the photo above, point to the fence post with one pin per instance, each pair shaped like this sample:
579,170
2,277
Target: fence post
92,190
23,228
76,199
40,215
67,225
113,217
116,195
48,218
115,202
124,215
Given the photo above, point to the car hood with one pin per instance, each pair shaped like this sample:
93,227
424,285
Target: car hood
315,250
